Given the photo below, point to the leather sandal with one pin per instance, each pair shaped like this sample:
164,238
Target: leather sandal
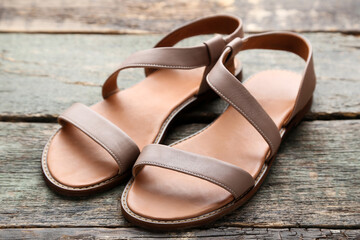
96,146
209,174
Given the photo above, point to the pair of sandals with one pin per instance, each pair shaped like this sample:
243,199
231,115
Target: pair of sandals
206,175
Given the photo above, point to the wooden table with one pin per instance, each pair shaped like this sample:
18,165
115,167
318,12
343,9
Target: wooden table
312,190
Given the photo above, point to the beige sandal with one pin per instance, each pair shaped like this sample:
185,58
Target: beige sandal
96,147
211,173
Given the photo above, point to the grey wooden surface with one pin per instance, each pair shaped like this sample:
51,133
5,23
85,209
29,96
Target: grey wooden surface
214,233
59,70
311,184
312,191
149,16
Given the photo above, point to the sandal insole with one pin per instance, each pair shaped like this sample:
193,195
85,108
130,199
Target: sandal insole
75,160
164,194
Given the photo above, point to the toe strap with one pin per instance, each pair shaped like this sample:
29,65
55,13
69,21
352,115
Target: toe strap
228,176
116,142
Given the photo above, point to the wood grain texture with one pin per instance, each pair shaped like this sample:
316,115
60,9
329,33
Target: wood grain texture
143,16
312,191
313,183
213,233
50,72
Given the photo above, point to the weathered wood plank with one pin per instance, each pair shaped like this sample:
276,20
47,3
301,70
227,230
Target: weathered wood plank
50,72
214,233
126,16
313,183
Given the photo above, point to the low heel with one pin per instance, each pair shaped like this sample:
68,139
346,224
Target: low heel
299,116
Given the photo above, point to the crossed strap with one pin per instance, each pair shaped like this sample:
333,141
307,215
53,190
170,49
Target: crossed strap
230,177
116,142
164,55
234,92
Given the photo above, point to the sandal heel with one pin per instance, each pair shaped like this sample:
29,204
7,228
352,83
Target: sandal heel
298,118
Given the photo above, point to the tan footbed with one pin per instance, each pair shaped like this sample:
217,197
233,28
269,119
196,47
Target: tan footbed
163,194
75,160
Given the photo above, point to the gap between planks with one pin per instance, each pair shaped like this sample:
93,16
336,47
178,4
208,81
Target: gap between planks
211,226
186,118
224,233
144,33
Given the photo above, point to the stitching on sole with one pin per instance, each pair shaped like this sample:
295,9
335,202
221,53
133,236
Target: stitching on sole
60,185
163,65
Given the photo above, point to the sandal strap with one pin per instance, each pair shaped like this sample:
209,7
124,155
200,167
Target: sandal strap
115,141
230,177
165,56
290,42
222,24
234,92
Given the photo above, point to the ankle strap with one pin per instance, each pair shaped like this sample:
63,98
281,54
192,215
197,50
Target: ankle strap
166,56
221,24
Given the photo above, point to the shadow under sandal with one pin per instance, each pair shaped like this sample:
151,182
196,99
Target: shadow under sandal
96,146
211,173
